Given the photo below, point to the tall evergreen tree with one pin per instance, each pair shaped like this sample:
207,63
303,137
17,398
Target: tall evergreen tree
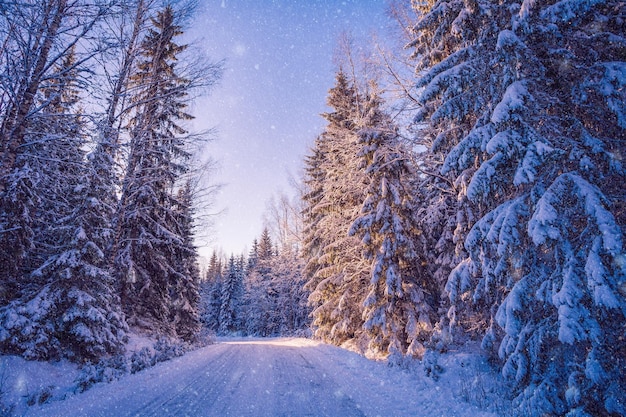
232,292
528,106
185,286
259,299
211,290
146,228
400,307
31,33
266,247
104,181
336,272
74,311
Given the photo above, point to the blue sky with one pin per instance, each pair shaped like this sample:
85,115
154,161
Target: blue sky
279,67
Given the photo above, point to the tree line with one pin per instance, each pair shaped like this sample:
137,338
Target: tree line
261,294
496,212
96,181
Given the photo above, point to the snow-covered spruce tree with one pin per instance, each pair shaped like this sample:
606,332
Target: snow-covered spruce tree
336,271
241,264
55,137
74,311
400,306
265,249
29,31
442,219
185,285
211,294
146,221
291,313
105,175
232,292
259,302
253,256
535,95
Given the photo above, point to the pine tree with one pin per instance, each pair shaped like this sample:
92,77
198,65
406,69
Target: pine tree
211,290
185,291
146,226
399,308
74,311
266,247
253,256
259,296
336,272
528,108
291,312
26,71
241,266
232,291
56,138
104,182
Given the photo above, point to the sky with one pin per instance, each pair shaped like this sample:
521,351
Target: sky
266,109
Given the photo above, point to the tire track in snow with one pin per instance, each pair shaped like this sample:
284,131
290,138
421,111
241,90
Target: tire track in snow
185,399
256,379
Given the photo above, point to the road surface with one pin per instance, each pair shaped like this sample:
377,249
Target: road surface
275,377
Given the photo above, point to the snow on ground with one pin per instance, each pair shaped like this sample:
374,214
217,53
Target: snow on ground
25,382
281,376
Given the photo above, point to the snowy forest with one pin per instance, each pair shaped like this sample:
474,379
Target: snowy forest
467,186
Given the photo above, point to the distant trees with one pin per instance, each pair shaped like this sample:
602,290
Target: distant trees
262,295
232,292
61,223
211,294
291,297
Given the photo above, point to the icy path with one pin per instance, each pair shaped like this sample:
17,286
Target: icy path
272,377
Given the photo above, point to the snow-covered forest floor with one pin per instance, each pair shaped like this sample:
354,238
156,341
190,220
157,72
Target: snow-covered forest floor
278,376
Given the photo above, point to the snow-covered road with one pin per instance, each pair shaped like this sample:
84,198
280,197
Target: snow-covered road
273,377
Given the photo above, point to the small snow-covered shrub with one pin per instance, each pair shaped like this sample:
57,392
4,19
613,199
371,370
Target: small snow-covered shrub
87,378
166,349
205,338
41,396
405,362
431,367
106,370
141,360
6,409
114,368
